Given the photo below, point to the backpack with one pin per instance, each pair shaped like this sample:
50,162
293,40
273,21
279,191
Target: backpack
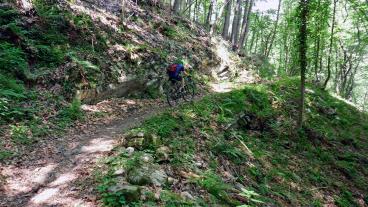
172,68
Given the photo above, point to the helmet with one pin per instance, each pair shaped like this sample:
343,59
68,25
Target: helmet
180,61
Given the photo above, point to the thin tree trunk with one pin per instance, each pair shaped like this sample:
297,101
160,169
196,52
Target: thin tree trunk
330,49
233,26
245,16
176,8
236,24
195,11
204,11
244,36
316,58
254,33
225,30
317,43
122,10
269,48
211,16
302,56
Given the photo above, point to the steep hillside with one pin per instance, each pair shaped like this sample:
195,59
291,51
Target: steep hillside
55,52
241,147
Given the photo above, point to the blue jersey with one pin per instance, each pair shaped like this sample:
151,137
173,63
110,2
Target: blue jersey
175,70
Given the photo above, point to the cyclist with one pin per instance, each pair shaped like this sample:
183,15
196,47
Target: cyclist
174,71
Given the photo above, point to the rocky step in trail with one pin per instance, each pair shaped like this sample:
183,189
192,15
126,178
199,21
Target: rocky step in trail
51,175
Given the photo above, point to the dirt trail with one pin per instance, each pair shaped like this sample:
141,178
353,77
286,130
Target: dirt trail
52,174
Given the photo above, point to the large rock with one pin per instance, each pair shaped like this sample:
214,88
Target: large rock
136,142
158,177
130,192
163,153
151,140
186,195
141,140
147,174
140,176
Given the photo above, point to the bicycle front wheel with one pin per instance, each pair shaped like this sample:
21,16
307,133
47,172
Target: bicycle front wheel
189,90
171,94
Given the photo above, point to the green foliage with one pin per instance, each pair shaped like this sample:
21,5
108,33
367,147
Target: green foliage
12,60
110,199
11,96
48,55
251,196
86,71
173,199
266,70
162,125
214,185
72,113
5,154
346,200
133,162
169,31
8,15
20,134
230,150
49,11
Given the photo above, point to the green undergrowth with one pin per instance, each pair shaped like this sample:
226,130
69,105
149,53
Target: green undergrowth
61,51
248,138
30,53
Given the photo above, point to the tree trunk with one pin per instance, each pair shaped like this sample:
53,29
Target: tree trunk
225,30
316,58
236,24
244,36
254,33
330,49
176,8
245,16
195,11
302,56
211,16
269,47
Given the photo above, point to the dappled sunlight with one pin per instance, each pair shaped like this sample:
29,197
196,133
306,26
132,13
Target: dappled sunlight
98,145
26,178
64,179
44,195
104,17
222,87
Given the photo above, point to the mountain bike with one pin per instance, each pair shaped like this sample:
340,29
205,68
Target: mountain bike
174,92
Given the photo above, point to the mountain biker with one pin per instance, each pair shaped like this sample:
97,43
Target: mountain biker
174,71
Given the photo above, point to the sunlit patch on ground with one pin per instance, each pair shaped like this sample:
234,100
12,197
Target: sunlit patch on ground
63,179
44,195
25,178
222,87
98,145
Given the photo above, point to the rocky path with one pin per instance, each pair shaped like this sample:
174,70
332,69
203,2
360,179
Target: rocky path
54,173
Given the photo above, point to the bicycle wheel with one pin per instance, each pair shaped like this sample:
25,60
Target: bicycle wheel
189,90
172,95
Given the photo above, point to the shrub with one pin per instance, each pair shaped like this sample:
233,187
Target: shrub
12,60
73,112
11,95
229,150
214,185
20,134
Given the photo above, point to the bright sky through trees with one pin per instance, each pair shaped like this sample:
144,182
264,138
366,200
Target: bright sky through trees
265,5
